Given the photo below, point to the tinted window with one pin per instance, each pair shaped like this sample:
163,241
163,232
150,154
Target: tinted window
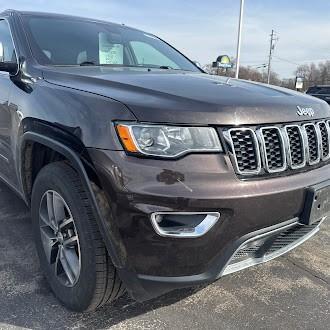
324,90
311,90
319,90
7,42
71,41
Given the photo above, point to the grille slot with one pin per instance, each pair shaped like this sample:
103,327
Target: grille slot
273,149
246,150
313,144
324,131
296,149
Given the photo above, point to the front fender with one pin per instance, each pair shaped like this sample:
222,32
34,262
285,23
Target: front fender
108,232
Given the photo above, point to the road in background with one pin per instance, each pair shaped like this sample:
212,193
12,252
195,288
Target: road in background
290,292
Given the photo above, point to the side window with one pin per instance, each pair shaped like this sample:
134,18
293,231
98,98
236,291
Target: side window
146,54
325,90
7,42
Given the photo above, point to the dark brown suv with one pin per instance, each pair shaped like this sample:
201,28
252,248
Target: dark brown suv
144,173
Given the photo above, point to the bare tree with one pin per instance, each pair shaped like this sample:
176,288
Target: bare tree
313,74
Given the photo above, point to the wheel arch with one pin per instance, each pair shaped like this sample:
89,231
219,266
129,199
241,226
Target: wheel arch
64,142
74,153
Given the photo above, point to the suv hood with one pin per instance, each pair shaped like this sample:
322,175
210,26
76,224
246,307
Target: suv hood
168,96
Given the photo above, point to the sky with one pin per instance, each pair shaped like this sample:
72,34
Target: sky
203,30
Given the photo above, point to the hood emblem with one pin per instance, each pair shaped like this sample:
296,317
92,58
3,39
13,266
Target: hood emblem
305,111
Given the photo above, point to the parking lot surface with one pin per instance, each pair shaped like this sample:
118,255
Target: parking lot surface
290,292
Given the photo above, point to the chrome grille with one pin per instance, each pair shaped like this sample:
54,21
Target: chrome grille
273,146
246,150
313,142
296,151
271,149
325,150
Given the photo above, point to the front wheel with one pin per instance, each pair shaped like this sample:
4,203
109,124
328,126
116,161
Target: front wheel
71,250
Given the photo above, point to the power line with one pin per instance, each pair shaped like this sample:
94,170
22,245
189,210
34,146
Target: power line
302,61
285,60
281,59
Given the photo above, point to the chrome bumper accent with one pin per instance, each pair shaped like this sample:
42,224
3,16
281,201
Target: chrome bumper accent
186,229
233,266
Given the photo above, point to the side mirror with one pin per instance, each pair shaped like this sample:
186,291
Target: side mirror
10,67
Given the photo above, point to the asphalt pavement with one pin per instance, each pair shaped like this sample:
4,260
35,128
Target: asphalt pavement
291,292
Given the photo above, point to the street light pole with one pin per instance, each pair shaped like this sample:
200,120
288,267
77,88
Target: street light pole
238,52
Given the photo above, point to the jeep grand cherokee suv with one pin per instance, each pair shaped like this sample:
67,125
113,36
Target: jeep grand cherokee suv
144,173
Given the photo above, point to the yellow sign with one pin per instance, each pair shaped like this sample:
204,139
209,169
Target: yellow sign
224,61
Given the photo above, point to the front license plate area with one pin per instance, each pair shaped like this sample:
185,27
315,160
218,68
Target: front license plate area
317,203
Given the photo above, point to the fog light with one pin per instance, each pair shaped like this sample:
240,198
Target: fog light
183,224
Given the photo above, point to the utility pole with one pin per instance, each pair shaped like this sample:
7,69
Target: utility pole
239,36
273,38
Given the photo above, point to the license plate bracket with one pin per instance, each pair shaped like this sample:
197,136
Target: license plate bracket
317,203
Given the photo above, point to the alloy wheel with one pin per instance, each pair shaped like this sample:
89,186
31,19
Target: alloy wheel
60,238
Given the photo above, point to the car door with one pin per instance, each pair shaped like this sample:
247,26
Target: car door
6,85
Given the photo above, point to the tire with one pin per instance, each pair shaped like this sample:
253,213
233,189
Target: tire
72,254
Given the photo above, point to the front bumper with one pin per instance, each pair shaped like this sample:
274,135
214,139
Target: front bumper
240,255
151,265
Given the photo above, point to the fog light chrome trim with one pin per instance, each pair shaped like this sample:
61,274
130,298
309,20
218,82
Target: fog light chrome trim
201,229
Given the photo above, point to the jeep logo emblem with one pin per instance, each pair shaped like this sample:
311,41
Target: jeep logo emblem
309,111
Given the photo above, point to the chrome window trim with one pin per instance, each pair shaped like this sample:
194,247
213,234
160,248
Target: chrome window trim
264,153
317,143
328,133
303,142
257,150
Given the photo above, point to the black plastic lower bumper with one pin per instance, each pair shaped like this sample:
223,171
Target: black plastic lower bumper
148,287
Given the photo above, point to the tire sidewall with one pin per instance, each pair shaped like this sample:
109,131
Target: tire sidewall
56,178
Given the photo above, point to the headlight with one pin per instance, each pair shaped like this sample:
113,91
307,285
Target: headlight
167,141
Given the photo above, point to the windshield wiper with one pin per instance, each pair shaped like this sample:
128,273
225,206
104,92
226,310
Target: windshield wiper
86,63
145,66
166,67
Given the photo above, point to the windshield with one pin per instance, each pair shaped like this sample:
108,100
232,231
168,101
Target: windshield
72,41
